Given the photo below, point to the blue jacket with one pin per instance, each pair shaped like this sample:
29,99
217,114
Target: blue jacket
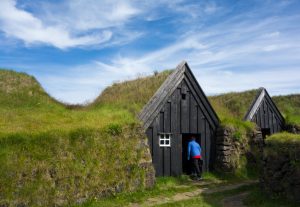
194,149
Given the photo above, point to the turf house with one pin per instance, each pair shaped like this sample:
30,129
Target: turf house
264,112
177,110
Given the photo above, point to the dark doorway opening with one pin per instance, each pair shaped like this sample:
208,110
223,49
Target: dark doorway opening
265,132
185,162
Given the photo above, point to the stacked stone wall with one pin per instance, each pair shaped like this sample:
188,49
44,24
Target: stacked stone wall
229,150
281,172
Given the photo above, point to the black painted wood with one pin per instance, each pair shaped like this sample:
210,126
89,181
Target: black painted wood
167,129
207,145
176,159
267,115
201,102
157,153
193,114
198,90
183,112
212,148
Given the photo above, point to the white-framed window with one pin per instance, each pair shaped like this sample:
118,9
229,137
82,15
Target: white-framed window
165,139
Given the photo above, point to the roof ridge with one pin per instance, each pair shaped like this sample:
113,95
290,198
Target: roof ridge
161,93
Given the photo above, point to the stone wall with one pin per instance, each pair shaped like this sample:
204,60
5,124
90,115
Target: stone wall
146,160
281,169
229,149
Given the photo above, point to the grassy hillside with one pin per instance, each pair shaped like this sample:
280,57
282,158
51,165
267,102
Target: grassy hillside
87,151
51,155
19,90
26,107
234,104
290,107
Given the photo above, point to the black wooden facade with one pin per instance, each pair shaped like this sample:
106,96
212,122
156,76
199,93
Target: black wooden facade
265,114
178,110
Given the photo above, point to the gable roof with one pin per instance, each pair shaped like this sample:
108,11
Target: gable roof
155,104
261,95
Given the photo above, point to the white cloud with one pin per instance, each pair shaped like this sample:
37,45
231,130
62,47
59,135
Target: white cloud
240,52
89,23
64,33
90,14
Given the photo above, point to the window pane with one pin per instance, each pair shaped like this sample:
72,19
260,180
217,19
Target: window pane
167,142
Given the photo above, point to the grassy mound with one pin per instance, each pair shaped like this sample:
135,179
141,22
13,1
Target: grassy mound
234,104
281,166
132,95
51,155
26,107
58,168
290,107
284,141
87,151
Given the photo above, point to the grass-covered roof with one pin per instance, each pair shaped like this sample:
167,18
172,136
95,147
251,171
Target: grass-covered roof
26,106
133,94
234,104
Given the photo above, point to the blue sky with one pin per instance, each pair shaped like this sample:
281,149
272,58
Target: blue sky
76,48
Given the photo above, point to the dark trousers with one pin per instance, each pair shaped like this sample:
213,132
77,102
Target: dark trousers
197,166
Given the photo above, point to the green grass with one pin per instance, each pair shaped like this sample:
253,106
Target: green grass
52,153
69,148
61,167
283,142
257,198
165,186
284,138
131,95
289,105
25,107
234,104
209,200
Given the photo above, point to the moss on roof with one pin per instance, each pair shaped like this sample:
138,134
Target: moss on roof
21,90
234,104
132,95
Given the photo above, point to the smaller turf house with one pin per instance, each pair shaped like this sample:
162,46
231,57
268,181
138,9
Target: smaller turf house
177,110
264,112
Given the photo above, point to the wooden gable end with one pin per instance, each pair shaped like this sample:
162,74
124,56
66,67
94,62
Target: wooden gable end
184,111
265,114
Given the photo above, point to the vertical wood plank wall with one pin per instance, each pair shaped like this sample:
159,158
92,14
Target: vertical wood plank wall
180,116
267,117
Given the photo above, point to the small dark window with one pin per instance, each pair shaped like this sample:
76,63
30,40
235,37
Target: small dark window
183,96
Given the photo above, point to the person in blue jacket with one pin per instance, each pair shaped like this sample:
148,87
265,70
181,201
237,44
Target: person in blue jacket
194,154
